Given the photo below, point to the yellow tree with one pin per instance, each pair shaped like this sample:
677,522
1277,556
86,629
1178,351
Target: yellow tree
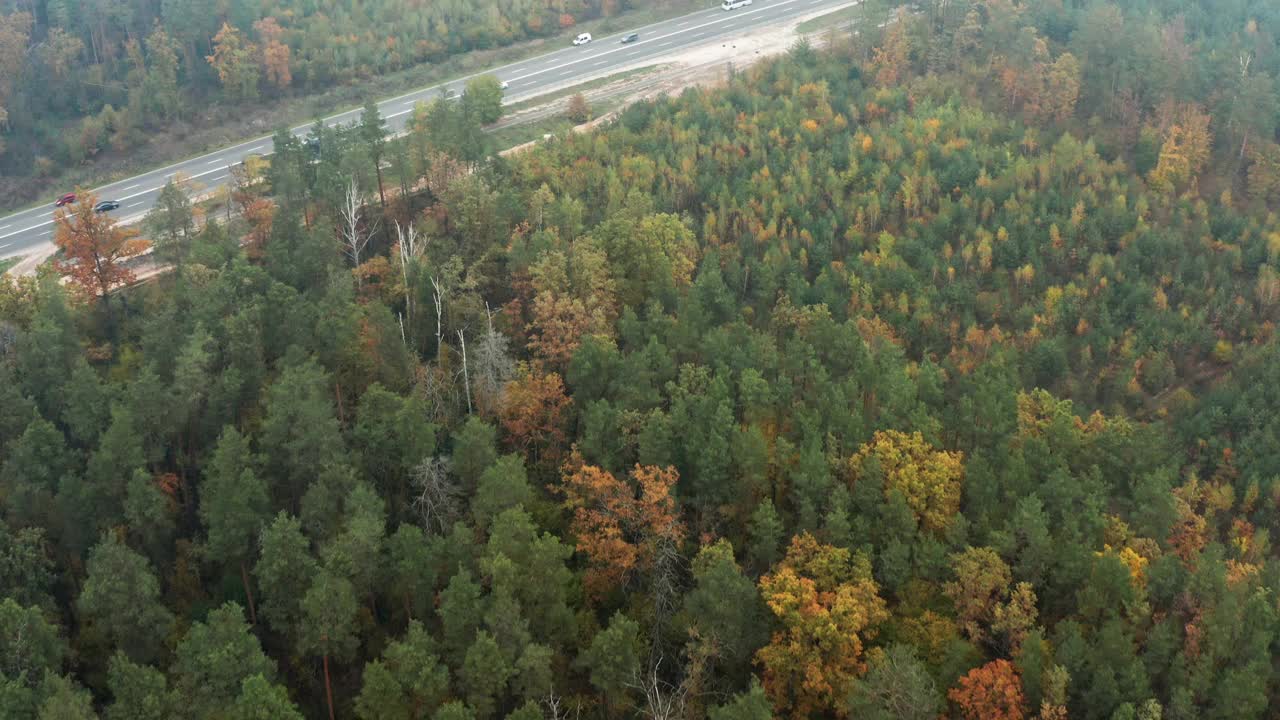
235,61
827,603
95,247
928,479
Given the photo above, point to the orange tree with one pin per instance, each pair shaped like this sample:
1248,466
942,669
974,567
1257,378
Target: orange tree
827,603
990,692
617,524
95,247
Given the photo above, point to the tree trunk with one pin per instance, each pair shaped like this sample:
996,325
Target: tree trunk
328,688
248,592
382,195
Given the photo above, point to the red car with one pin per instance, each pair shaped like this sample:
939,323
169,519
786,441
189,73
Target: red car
65,200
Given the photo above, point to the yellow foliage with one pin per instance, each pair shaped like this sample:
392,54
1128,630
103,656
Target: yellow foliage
928,479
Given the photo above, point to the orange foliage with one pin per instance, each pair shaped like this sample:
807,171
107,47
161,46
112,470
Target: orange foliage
275,53
990,692
827,603
260,213
95,247
534,413
618,525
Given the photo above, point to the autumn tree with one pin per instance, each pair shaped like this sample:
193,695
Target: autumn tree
981,581
535,412
929,480
990,692
619,524
578,110
235,60
827,604
96,248
275,53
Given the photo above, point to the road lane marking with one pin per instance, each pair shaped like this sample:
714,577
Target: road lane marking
301,131
129,188
5,245
254,150
135,204
46,232
566,72
738,15
4,227
602,62
29,229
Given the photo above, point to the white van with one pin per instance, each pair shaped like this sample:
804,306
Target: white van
734,4
584,38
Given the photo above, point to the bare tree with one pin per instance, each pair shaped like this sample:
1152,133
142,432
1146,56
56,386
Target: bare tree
494,366
466,378
437,297
438,496
410,251
662,700
354,237
558,711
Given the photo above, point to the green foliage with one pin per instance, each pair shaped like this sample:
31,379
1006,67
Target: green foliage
920,238
121,603
214,659
261,700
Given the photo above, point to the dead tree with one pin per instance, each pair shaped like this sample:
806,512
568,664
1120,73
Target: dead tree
437,496
354,237
410,251
662,700
437,297
466,378
494,366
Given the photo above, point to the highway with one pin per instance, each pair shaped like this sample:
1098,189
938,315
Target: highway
32,230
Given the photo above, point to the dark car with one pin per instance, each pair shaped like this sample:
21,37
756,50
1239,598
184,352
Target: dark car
65,200
630,38
106,205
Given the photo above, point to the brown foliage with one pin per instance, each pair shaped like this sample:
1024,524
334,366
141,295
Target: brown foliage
275,53
95,247
535,411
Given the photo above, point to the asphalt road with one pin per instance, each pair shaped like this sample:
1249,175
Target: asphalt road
32,230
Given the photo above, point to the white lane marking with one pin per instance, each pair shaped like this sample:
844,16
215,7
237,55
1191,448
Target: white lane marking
686,22
135,204
410,103
46,232
129,188
566,72
256,149
602,62
4,227
28,229
5,245
402,112
738,15
668,43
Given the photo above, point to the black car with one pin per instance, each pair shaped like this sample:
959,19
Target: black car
106,205
630,38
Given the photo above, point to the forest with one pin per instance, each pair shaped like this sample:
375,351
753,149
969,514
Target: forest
83,78
931,373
